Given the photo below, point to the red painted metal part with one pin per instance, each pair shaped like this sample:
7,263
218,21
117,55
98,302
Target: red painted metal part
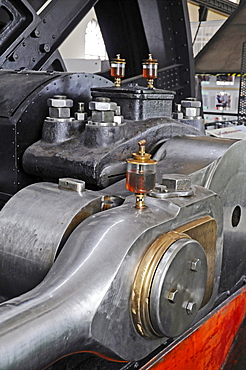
209,342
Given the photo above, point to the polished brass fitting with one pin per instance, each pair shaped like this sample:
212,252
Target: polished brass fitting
140,174
150,67
117,69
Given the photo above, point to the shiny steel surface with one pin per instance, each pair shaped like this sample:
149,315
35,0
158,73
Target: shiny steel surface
190,155
220,166
172,315
34,225
78,306
228,180
144,279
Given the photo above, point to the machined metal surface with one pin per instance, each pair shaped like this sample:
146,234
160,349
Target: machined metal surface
38,232
190,155
228,181
178,287
73,299
219,166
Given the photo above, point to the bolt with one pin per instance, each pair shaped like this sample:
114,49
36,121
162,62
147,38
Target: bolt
60,101
176,182
102,106
45,48
36,33
191,308
14,57
172,295
81,107
195,264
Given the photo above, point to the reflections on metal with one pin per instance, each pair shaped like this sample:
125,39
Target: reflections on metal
204,231
34,226
83,302
140,300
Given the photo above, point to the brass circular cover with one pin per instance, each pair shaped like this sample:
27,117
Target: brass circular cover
140,159
143,281
118,59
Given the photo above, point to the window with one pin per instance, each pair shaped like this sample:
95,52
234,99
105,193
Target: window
94,44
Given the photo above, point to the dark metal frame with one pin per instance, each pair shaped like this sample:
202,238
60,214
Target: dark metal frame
32,40
133,28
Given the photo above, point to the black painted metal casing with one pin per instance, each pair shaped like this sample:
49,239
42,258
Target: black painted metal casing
138,102
23,108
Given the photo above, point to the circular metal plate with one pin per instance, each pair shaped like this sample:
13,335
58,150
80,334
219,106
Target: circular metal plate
178,287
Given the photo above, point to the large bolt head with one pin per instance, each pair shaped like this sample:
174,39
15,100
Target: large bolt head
176,182
103,116
59,112
102,106
59,102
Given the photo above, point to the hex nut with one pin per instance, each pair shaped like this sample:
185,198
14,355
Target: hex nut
59,102
80,116
102,106
191,112
191,308
102,116
59,112
191,103
176,182
178,115
118,120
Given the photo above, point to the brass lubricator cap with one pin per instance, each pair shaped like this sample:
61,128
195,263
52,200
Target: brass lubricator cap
141,157
140,174
117,69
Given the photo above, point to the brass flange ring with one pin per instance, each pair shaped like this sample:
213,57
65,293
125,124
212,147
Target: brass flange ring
143,280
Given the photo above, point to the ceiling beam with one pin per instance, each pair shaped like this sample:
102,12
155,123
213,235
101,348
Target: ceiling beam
224,7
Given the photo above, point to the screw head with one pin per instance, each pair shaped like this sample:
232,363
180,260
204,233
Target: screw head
191,308
171,295
195,264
